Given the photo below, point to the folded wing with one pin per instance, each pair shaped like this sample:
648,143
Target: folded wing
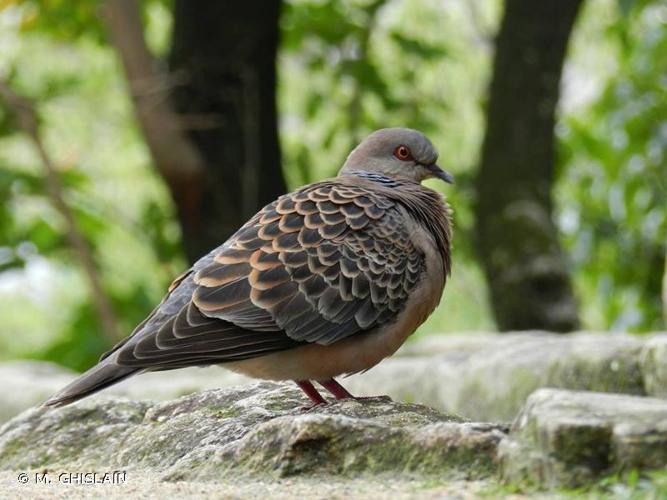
316,266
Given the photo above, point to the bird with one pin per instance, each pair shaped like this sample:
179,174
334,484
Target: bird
325,281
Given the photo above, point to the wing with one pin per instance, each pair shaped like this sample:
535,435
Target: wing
170,304
177,334
320,264
317,265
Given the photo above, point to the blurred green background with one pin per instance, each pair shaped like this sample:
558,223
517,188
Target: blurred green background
344,68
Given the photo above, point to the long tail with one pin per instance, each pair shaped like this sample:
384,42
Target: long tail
97,378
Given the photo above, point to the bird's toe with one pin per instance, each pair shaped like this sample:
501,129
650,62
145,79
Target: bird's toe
314,406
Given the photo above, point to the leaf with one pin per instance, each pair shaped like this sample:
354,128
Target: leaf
413,47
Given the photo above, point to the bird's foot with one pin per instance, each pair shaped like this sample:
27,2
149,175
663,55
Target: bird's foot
336,390
313,395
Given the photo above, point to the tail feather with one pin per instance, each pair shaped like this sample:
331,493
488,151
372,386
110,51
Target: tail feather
97,378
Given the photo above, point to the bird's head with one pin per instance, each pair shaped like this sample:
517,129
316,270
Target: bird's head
399,153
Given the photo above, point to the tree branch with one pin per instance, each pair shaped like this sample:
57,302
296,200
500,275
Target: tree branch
27,119
173,153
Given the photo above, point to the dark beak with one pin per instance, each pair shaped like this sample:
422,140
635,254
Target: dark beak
438,172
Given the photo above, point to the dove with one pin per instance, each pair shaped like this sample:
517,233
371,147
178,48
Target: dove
327,280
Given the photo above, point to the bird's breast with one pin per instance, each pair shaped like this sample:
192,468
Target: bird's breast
360,351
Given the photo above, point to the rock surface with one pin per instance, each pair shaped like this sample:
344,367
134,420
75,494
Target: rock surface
479,376
654,366
30,383
143,486
489,377
565,438
496,381
35,381
255,430
257,440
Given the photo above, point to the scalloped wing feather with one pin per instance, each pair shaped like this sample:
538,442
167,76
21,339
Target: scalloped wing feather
319,264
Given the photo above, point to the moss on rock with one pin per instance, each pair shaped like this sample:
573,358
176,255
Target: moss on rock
654,366
252,430
568,438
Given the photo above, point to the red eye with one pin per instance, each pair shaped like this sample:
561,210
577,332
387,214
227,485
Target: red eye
402,153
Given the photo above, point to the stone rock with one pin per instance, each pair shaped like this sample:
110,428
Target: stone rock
258,429
483,377
29,383
32,382
496,381
566,438
490,377
172,384
429,371
144,485
654,366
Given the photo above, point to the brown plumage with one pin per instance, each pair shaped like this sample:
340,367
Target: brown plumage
326,280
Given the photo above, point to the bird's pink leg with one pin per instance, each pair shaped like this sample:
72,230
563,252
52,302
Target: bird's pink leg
336,390
311,392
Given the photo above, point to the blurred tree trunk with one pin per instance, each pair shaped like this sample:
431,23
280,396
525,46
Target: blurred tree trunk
215,138
664,292
516,235
223,59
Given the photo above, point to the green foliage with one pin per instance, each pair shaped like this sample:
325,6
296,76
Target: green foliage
69,20
350,67
629,485
79,344
119,203
346,67
63,20
613,193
